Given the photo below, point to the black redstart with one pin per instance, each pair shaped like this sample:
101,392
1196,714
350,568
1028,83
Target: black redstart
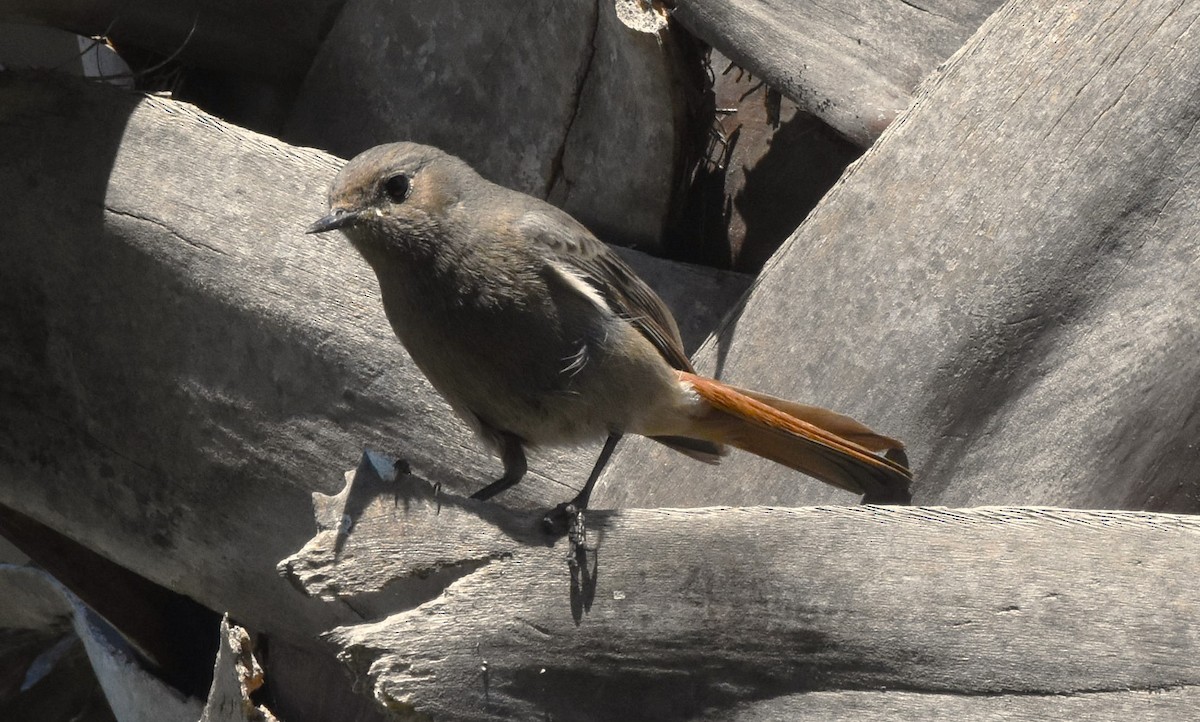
537,334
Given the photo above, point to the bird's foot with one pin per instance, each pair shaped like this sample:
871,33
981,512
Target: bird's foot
558,521
565,519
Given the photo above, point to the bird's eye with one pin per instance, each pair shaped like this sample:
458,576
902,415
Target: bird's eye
397,187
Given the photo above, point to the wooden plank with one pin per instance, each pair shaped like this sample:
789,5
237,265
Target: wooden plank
852,64
684,614
174,633
1006,281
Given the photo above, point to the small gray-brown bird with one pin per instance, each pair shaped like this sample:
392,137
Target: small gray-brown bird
537,334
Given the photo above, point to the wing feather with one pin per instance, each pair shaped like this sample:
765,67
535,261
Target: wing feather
569,243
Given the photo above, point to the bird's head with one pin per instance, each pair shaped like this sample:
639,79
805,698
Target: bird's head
394,193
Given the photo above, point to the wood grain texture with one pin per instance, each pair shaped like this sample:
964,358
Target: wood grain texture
852,64
1006,281
1165,705
181,365
704,613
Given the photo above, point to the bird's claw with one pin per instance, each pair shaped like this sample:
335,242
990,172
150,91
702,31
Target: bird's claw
561,520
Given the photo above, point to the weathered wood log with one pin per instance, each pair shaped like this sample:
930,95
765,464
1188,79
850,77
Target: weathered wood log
588,105
180,364
852,64
176,635
30,599
1006,281
273,41
149,309
685,614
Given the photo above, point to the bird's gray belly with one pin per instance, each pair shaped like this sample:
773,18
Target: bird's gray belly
523,368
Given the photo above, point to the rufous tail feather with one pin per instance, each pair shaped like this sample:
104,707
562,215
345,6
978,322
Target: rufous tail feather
821,443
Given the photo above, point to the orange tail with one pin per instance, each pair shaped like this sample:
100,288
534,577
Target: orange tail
821,443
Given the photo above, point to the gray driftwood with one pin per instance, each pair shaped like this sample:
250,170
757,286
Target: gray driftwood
268,41
1006,281
32,600
853,64
182,365
584,103
716,613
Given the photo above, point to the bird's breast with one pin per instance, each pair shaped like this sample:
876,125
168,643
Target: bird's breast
522,356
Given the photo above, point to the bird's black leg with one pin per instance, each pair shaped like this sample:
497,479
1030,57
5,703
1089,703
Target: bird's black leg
558,519
581,499
513,456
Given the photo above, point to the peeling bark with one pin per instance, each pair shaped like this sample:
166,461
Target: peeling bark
236,676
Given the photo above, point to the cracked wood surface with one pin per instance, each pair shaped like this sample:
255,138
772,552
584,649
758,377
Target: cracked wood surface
182,365
757,613
1006,281
854,65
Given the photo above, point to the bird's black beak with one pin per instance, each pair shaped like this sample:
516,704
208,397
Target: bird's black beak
337,218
